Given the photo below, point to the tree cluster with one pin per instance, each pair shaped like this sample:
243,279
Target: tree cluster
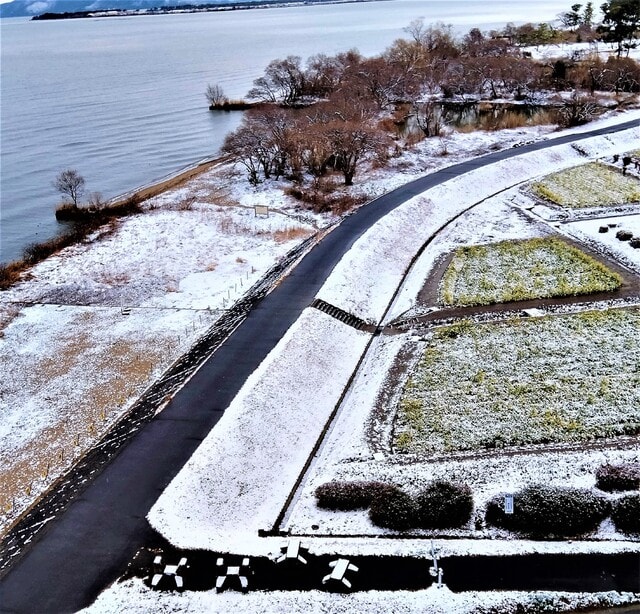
333,135
331,112
620,24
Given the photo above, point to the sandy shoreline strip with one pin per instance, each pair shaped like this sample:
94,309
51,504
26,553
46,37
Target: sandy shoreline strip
168,182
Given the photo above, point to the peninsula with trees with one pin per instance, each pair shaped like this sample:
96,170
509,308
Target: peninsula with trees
184,8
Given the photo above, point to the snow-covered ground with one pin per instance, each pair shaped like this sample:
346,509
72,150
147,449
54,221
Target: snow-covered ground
195,250
589,231
571,50
389,246
246,467
132,597
386,249
93,326
184,260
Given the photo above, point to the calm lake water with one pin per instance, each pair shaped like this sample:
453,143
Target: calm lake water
122,99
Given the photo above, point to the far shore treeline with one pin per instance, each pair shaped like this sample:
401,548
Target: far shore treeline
209,7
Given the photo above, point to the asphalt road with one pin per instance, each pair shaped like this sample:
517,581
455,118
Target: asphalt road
88,545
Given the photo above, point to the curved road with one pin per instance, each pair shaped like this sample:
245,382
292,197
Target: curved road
87,546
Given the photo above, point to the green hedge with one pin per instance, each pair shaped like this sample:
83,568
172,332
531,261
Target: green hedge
392,508
550,511
345,496
615,478
444,505
626,514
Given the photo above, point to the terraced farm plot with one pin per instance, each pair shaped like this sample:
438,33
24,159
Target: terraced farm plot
521,270
545,380
588,185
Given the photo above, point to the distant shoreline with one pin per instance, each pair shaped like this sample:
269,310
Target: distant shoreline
189,8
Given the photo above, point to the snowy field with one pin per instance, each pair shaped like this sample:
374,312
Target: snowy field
132,597
589,185
526,381
521,270
352,287
145,289
196,259
589,231
92,327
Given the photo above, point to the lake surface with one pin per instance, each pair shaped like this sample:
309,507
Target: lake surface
122,99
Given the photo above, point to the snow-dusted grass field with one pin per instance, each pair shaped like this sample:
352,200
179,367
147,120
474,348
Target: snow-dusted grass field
192,256
588,185
93,326
194,251
542,380
359,447
520,270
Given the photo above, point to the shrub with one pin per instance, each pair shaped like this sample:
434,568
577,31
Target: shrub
444,505
35,252
347,495
392,508
549,511
9,274
613,478
626,514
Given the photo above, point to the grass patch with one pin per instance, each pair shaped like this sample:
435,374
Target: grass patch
588,185
522,270
85,221
545,380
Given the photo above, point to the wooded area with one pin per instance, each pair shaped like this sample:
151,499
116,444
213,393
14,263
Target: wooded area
330,112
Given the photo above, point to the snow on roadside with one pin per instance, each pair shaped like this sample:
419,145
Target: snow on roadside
74,360
133,597
239,478
389,245
68,374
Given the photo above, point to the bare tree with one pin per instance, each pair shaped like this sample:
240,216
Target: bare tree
283,82
350,134
578,109
428,117
71,184
245,147
215,95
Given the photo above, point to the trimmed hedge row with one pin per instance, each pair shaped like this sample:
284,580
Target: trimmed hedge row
444,505
615,478
540,511
394,509
550,511
626,514
346,496
440,505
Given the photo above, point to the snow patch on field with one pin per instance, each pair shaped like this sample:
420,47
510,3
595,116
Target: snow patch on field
239,478
589,230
